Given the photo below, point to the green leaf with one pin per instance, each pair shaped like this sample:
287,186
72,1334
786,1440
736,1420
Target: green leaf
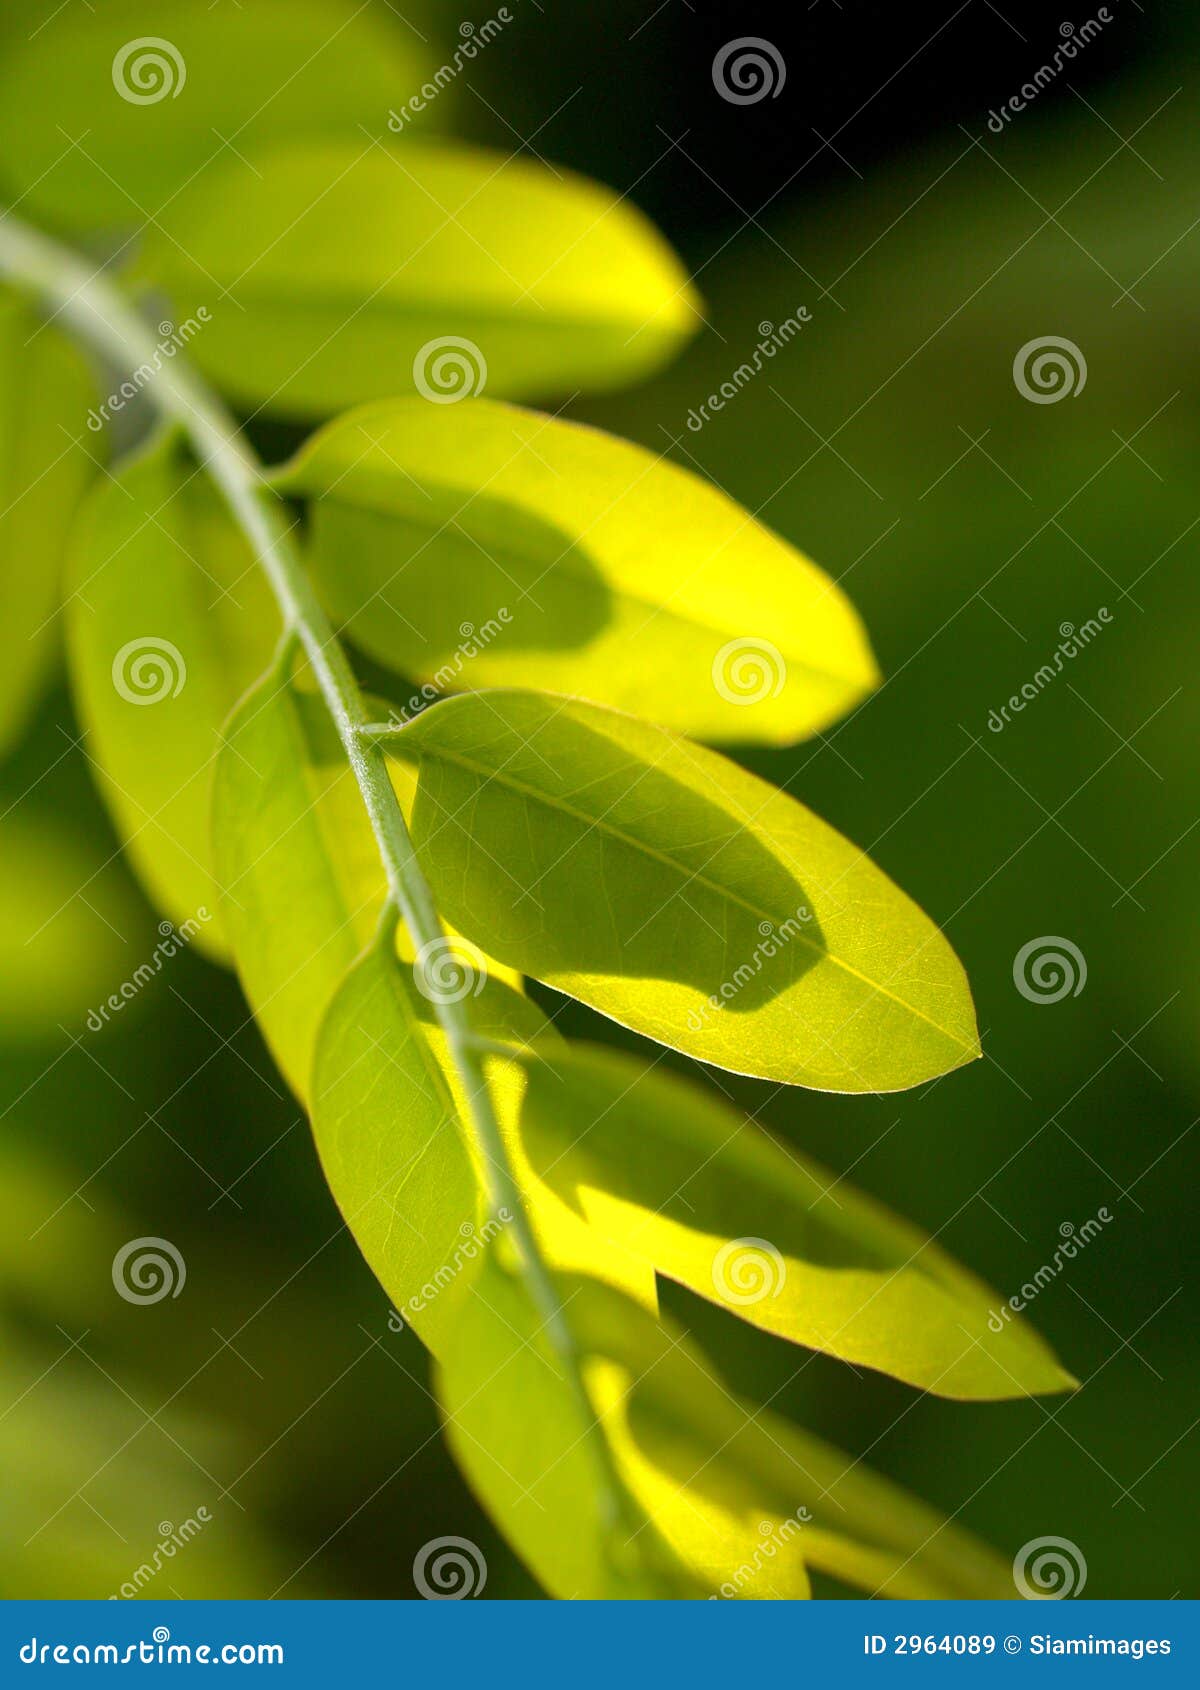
513,1426
295,855
389,1120
388,1123
680,895
674,1424
169,621
744,1500
303,885
340,272
45,467
673,1175
489,546
108,115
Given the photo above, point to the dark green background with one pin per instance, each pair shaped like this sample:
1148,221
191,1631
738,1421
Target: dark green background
927,254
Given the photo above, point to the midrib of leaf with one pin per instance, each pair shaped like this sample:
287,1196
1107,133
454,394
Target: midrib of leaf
499,316
104,319
690,877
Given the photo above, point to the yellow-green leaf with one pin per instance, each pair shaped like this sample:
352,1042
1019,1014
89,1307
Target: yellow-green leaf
169,621
341,272
482,545
680,895
46,462
390,1122
110,112
673,1424
299,867
513,1424
302,882
670,1173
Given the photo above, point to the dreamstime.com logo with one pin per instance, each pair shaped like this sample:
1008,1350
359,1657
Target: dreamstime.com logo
747,1271
472,1241
156,1650
148,70
448,369
171,1539
748,70
1049,968
447,1569
775,1536
1071,40
148,669
148,1269
1049,368
473,41
774,936
774,337
1047,1569
1074,1240
172,940
473,640
1071,641
172,340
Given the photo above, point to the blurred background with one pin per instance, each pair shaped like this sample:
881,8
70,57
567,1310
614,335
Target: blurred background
972,528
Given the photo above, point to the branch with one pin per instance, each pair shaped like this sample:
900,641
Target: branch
101,316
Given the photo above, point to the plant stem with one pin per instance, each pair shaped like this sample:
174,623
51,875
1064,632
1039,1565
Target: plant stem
86,300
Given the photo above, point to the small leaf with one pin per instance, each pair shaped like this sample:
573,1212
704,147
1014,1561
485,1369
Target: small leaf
490,546
345,273
389,1118
674,1424
169,621
45,467
302,881
105,120
671,1174
303,886
513,1425
680,895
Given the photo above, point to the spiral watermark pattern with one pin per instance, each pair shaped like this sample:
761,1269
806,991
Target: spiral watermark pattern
449,369
1049,968
748,1270
748,70
148,1269
147,670
148,70
447,1569
1048,369
747,671
1047,1569
445,971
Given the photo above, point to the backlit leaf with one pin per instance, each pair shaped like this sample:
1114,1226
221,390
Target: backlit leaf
674,1424
46,462
109,114
672,1174
744,1500
299,867
389,1117
680,895
169,622
303,884
491,546
351,271
514,1427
